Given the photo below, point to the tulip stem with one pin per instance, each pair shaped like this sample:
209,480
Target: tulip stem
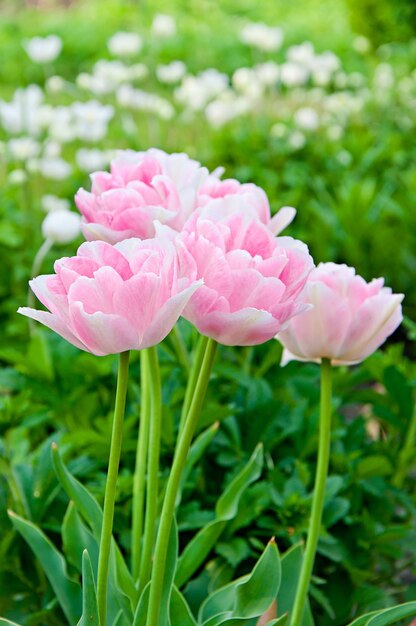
168,509
192,380
110,487
406,455
152,467
139,479
318,494
35,271
180,348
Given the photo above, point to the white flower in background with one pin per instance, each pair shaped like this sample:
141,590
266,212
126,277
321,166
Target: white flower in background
226,108
334,132
17,177
129,97
163,26
61,127
307,119
22,113
55,84
61,226
278,130
138,71
267,73
356,80
384,76
171,73
293,74
296,140
341,80
23,148
52,149
242,78
261,36
43,49
125,44
90,160
51,203
32,165
195,92
54,168
91,119
302,54
361,44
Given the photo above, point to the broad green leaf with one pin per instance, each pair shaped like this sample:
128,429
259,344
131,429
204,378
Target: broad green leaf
140,616
89,508
385,617
247,597
76,538
196,451
170,568
180,614
291,565
68,592
7,622
279,621
90,616
201,545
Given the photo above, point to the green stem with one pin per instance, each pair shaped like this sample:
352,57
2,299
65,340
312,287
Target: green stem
139,479
168,509
180,348
318,494
111,484
192,380
152,468
406,455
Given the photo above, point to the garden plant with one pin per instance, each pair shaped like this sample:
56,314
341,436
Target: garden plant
220,430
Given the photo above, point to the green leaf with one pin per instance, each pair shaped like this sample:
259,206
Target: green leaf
171,560
76,538
256,594
247,597
385,617
291,565
180,614
7,622
375,465
90,616
140,616
89,508
280,621
196,451
201,545
68,592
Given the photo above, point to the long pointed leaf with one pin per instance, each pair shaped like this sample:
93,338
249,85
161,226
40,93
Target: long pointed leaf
385,617
202,543
68,592
90,616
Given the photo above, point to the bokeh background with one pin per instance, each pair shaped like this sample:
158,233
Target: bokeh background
315,101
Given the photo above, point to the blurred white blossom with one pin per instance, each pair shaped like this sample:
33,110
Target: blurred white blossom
123,44
90,160
61,226
43,49
171,73
261,36
23,148
54,168
51,203
91,119
163,26
195,92
307,119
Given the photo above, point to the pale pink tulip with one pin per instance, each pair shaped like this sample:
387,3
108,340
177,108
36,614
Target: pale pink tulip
349,320
252,280
140,188
246,196
109,299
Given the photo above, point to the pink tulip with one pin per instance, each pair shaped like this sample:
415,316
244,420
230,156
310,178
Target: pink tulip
247,195
140,188
349,320
252,280
110,299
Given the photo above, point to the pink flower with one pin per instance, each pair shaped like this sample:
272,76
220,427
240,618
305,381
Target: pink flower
246,196
140,188
252,280
109,299
350,318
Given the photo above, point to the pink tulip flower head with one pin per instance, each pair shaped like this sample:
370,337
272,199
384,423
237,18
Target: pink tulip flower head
349,320
252,280
109,299
250,196
140,188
